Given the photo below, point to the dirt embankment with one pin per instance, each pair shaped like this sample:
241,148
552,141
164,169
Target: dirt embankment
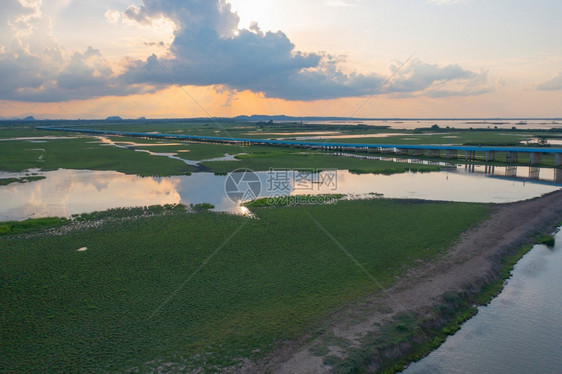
476,261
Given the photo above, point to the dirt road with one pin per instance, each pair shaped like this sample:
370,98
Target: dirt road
472,263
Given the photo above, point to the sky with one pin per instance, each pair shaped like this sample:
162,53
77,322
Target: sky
363,58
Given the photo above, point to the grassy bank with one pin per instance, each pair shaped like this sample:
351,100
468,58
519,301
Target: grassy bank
30,225
264,161
448,136
89,153
409,337
7,181
85,153
276,278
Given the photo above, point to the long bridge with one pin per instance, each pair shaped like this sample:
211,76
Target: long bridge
451,151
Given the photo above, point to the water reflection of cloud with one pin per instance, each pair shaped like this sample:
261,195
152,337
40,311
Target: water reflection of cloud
450,186
67,192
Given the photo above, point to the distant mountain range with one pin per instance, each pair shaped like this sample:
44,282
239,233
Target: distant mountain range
276,118
284,118
28,118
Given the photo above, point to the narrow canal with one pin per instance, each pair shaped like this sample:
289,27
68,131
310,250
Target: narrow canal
520,331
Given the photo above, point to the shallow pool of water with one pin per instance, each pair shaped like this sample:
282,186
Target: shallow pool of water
67,192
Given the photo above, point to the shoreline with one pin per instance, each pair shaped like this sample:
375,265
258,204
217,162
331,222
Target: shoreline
404,323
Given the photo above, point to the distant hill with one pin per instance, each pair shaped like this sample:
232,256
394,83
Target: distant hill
284,118
28,118
114,118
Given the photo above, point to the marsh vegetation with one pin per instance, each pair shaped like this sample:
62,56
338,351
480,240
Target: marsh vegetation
278,278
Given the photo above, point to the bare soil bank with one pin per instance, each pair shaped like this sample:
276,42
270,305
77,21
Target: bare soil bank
352,338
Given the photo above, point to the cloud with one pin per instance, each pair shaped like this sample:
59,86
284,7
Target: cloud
155,44
112,16
423,79
338,4
205,52
189,16
35,68
552,84
208,49
29,57
446,2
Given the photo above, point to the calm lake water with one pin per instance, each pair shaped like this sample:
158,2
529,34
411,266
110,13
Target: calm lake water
67,192
410,124
520,331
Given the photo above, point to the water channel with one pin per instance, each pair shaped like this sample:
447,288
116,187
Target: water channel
520,331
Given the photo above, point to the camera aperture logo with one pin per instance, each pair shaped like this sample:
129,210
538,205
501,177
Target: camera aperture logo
283,186
242,185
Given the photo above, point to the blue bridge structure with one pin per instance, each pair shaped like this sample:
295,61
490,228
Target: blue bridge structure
450,151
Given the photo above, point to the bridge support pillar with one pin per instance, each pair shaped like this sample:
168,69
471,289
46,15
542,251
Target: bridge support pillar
451,153
558,159
490,156
469,155
534,172
511,171
489,169
417,152
434,153
401,151
511,156
558,175
535,158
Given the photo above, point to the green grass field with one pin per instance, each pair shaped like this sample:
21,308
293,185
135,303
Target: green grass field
6,181
187,151
85,153
298,160
18,227
19,130
89,153
139,298
270,279
475,137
